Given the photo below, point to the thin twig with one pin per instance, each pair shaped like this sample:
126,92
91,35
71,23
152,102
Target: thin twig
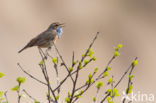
78,68
6,98
30,75
63,62
129,81
44,71
130,67
29,95
18,93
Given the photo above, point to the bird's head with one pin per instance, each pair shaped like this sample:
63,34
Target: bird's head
58,27
55,25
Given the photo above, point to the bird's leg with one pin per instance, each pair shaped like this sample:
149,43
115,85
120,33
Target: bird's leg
45,57
47,53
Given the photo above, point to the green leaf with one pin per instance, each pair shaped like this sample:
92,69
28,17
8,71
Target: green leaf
80,65
4,102
1,99
110,80
94,99
115,92
67,99
116,54
106,73
36,101
90,76
109,68
21,79
94,58
1,93
111,102
74,62
120,46
69,94
41,62
135,62
22,95
78,94
99,85
86,62
129,89
109,98
54,60
131,77
89,81
90,53
1,75
70,69
57,97
109,90
95,70
83,55
15,88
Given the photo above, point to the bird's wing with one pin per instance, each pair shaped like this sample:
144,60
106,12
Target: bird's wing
46,37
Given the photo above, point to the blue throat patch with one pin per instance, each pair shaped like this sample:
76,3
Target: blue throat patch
59,31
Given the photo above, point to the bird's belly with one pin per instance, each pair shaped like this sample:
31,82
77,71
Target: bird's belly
45,45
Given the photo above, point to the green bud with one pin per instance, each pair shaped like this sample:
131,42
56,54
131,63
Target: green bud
90,76
109,91
89,81
94,58
83,55
54,60
109,99
67,99
131,77
41,62
86,62
36,101
95,70
69,94
106,73
90,53
70,69
115,92
20,79
94,99
116,54
120,46
99,85
129,89
1,75
1,93
57,97
135,62
74,62
110,80
109,68
15,88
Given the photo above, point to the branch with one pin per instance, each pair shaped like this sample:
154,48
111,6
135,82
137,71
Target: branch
129,81
78,67
130,67
63,61
30,96
5,94
44,71
31,76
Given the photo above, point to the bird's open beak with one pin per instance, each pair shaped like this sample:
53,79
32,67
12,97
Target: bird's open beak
61,25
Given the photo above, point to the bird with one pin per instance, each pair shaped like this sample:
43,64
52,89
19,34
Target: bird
47,37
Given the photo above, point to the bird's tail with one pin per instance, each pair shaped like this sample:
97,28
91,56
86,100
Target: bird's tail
23,49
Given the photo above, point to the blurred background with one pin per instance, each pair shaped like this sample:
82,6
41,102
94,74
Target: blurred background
129,22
